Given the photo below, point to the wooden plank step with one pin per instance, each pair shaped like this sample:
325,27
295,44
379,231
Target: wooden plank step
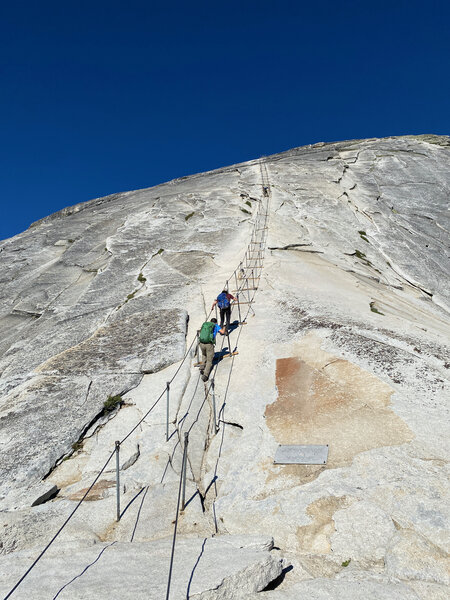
230,354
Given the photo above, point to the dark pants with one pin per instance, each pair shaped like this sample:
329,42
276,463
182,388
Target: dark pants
225,312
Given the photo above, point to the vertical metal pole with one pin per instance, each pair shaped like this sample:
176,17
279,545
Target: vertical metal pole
248,289
198,348
183,472
253,277
216,311
118,481
167,410
229,343
214,405
239,308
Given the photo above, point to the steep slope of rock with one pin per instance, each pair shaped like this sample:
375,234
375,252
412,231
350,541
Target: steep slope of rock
346,345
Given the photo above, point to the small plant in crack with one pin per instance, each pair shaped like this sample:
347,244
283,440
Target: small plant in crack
160,251
248,203
362,257
76,446
363,235
141,278
187,217
346,562
374,309
131,296
112,402
247,212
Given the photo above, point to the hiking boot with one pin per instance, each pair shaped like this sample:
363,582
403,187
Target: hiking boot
204,378
201,371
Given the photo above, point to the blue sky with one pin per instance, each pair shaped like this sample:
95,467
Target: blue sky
101,97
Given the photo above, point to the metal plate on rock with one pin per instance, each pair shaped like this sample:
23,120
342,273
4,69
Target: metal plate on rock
301,455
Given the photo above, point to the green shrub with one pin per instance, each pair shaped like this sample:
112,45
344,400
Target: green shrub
141,278
77,445
112,402
363,236
187,217
375,310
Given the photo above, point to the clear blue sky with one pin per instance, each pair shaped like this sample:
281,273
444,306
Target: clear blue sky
100,97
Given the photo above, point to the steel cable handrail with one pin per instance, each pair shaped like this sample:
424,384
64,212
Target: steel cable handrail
251,298
60,529
41,554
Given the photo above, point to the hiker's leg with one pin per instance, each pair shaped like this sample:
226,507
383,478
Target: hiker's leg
209,359
222,317
204,353
228,314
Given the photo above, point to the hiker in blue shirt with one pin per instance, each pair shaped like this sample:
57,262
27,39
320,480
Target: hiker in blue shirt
223,300
206,339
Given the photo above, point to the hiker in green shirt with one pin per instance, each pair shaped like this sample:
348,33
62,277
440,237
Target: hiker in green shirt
207,340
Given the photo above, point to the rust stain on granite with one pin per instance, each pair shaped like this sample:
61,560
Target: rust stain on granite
323,399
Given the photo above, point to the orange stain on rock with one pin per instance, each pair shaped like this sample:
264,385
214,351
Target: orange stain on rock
97,492
335,403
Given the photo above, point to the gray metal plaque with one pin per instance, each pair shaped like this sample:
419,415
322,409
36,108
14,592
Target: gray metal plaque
301,455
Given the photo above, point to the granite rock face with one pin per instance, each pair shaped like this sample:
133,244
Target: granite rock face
346,344
208,568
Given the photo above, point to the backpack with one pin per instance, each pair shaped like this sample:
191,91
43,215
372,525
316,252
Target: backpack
206,333
222,300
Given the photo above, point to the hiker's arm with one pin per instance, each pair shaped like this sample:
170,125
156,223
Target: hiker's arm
213,304
223,330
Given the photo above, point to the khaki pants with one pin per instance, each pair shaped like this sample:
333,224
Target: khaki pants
208,354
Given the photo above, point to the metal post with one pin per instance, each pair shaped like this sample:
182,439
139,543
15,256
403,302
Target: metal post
248,288
167,410
198,348
183,471
239,308
214,405
216,311
229,343
253,277
118,481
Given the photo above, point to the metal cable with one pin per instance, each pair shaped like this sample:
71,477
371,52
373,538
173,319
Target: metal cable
172,555
61,528
240,287
143,418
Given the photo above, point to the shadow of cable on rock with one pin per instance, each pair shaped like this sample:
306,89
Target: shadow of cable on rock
138,516
194,568
84,570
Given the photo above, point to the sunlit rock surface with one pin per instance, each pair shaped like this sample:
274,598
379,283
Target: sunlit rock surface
347,346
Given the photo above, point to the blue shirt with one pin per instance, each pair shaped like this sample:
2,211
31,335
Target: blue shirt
215,330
